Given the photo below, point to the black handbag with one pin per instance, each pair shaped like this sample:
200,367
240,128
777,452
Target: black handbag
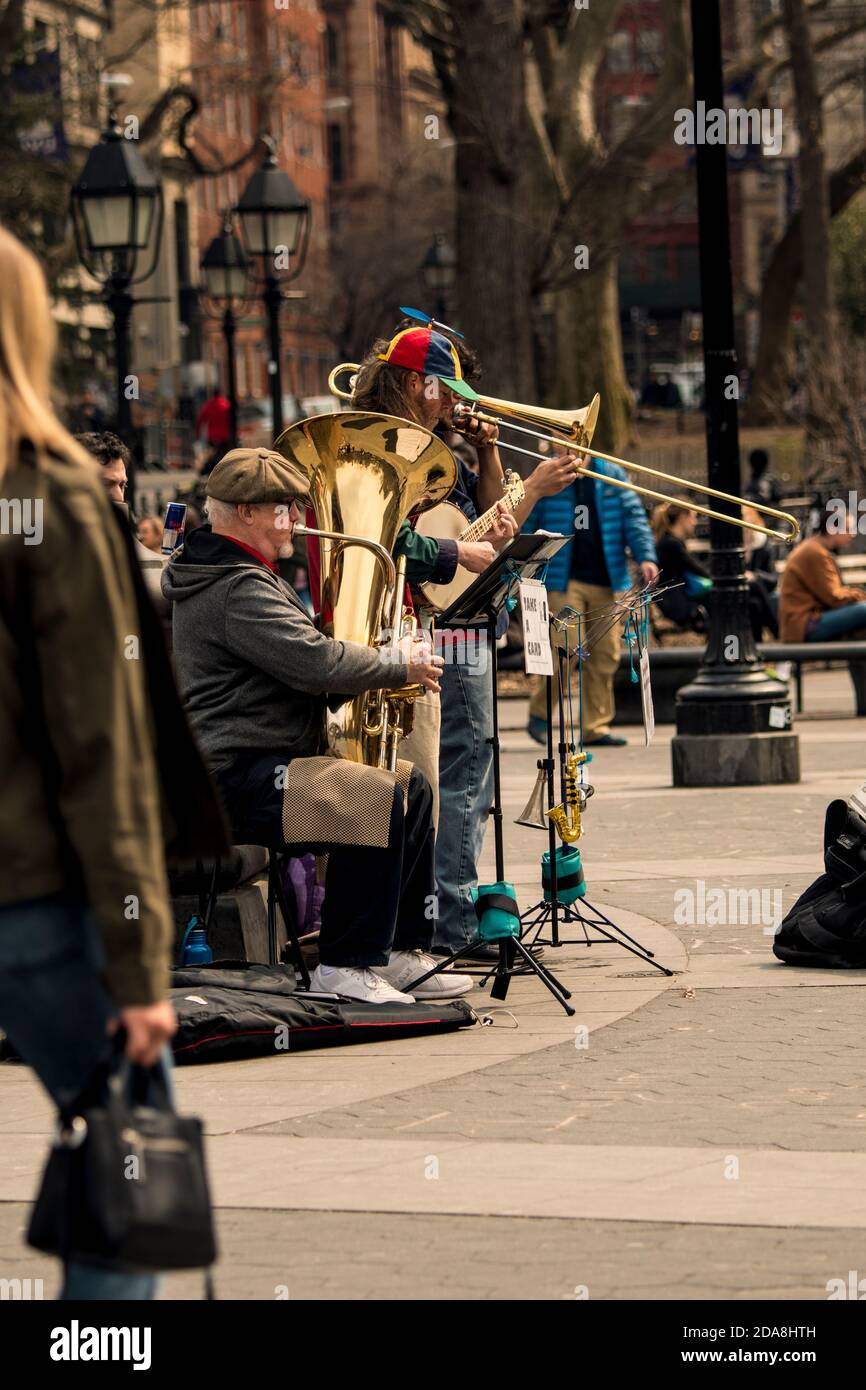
125,1180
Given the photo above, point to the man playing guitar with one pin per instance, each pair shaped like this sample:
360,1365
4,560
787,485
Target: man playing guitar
421,374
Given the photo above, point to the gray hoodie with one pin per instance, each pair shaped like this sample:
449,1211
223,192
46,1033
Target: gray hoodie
252,666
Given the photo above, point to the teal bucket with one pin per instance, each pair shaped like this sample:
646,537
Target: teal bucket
497,911
570,882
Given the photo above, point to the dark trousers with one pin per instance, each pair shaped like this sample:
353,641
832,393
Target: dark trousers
376,900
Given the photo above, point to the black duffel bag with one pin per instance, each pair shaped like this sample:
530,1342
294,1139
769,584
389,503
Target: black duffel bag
233,1010
826,927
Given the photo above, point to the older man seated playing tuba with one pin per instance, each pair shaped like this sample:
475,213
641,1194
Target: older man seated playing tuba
256,675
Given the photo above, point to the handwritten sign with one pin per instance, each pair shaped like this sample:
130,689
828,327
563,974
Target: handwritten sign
537,656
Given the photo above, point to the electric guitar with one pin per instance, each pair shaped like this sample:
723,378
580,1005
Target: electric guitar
447,522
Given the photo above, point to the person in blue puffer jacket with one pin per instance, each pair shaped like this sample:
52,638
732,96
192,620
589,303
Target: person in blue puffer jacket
608,523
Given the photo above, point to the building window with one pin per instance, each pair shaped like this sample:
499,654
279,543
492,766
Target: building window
649,50
623,117
659,264
89,69
619,52
336,160
393,74
333,57
631,266
41,37
688,265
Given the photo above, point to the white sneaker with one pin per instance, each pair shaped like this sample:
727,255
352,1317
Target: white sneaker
405,966
356,984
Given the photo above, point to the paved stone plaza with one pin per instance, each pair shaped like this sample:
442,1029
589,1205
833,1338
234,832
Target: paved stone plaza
698,1137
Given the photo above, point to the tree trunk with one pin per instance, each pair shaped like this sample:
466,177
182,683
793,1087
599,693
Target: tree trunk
773,364
488,118
781,282
589,354
821,355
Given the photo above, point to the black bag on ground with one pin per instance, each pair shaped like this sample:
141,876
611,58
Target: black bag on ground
125,1180
227,1011
826,927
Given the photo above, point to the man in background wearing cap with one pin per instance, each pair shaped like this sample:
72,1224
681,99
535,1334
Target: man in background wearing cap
256,675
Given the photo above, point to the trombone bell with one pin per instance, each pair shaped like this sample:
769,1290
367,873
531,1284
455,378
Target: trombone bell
533,812
576,426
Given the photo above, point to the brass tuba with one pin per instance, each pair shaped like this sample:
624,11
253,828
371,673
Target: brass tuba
367,474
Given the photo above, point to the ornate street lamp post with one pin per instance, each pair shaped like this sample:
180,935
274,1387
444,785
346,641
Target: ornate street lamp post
117,211
275,219
733,720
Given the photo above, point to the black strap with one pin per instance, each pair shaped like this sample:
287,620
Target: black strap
496,900
569,881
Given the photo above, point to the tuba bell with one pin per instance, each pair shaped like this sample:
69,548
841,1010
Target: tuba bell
367,474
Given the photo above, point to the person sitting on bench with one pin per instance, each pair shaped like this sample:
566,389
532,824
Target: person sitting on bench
674,523
256,675
814,604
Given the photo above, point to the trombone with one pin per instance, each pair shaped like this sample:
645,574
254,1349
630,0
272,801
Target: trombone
573,430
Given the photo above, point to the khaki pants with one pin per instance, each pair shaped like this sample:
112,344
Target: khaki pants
598,670
422,745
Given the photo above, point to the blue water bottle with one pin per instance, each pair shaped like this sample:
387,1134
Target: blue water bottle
194,949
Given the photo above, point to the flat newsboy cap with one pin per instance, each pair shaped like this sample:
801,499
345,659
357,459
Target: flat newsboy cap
255,475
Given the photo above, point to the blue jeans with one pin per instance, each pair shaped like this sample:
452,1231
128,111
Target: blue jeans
55,1009
837,621
465,795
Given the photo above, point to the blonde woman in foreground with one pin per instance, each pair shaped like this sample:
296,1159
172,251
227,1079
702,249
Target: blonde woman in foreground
80,820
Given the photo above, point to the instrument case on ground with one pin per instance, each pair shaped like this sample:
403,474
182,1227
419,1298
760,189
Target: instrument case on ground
232,1009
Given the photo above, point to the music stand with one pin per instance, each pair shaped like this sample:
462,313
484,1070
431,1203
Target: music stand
478,608
535,917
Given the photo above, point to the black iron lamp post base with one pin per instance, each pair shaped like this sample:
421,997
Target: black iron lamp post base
735,760
733,719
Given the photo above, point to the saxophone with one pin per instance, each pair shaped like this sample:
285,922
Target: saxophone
566,817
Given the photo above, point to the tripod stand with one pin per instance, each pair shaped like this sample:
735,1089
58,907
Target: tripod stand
479,608
550,909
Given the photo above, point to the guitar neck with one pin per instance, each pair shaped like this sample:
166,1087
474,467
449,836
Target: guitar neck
483,523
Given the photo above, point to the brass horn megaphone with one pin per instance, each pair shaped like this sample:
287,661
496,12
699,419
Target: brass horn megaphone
533,813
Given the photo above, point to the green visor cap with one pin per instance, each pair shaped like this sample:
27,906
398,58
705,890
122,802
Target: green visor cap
460,388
